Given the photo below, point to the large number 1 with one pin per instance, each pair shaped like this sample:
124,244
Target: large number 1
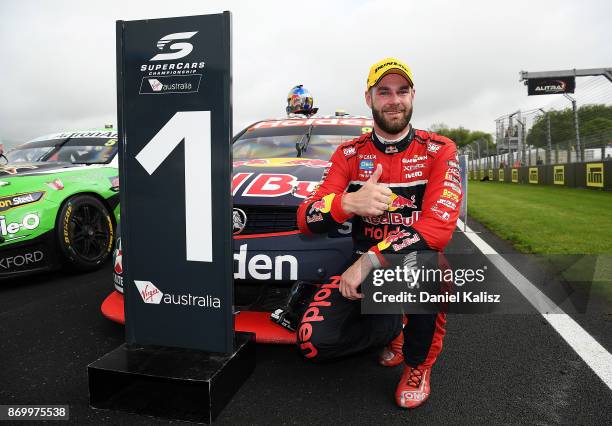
194,128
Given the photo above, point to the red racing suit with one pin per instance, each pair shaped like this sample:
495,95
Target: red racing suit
422,171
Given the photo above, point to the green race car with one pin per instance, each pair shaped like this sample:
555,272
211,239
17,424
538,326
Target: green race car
59,202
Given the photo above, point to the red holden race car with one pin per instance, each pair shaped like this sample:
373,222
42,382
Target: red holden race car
277,163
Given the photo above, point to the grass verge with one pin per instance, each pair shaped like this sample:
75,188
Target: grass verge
549,220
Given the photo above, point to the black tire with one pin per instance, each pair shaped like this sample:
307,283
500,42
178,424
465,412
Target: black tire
85,232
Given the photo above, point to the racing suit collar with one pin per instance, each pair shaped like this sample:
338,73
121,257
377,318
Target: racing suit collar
396,147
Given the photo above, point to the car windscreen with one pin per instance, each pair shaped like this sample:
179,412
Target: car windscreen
27,154
281,142
73,150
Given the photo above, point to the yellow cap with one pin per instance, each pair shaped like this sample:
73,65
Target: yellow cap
388,66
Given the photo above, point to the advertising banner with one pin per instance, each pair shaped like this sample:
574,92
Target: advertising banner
595,175
559,175
533,175
550,86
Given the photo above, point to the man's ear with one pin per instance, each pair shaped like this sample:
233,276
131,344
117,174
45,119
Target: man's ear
368,98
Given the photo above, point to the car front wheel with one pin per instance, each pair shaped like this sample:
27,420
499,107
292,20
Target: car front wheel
85,232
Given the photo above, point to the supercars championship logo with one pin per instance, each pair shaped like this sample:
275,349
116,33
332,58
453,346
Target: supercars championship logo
164,74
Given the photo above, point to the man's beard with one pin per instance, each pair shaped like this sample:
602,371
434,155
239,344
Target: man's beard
392,127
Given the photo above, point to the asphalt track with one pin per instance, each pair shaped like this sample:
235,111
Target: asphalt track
501,369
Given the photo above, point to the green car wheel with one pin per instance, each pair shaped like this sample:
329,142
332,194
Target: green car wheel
85,232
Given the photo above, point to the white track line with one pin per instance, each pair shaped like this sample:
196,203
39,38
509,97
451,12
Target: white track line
593,354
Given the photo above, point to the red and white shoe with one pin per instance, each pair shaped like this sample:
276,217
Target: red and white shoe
413,388
392,354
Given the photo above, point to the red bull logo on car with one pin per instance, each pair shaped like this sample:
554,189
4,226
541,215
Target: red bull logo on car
399,202
270,185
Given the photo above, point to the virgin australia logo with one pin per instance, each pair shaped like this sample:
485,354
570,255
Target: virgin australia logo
153,295
148,292
156,85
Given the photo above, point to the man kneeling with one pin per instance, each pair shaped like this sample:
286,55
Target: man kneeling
401,189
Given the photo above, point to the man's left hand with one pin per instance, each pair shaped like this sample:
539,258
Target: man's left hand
351,278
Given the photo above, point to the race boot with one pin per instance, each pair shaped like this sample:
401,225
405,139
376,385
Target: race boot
392,354
413,388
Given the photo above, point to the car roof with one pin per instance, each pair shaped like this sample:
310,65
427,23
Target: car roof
315,120
89,133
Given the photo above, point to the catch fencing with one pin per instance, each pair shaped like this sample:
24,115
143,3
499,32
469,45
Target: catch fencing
569,130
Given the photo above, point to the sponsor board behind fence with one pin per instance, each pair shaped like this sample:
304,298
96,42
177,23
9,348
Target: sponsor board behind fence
576,175
559,175
595,175
533,175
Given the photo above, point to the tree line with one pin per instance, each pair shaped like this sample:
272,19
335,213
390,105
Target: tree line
595,123
462,136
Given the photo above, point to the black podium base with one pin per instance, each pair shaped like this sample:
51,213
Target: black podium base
171,383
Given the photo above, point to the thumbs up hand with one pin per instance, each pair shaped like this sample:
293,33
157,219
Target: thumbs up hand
372,199
377,174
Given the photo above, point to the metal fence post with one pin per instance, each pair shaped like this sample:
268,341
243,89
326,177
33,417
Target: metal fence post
529,157
548,137
576,128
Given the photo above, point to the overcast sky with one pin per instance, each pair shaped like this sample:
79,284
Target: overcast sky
57,70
